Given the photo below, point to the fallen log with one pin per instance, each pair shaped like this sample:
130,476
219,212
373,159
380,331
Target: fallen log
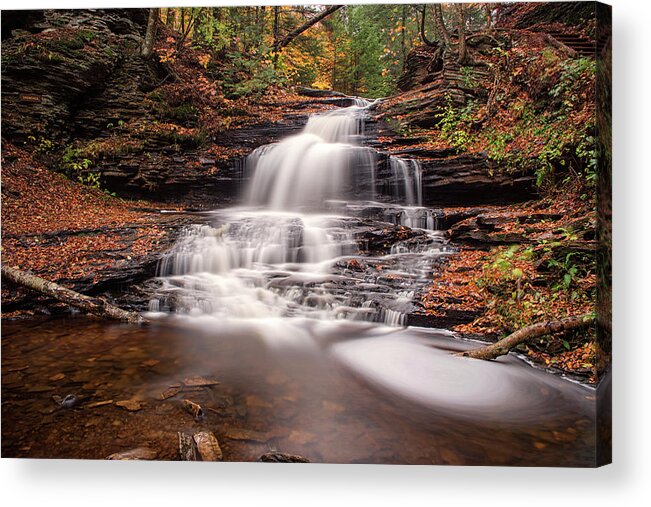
502,347
84,303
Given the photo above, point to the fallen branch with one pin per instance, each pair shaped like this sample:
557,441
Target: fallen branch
70,297
280,44
503,346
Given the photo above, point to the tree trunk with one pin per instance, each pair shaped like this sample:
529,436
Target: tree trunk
403,38
84,303
463,52
444,36
488,10
334,62
503,346
150,34
279,44
423,35
171,17
275,24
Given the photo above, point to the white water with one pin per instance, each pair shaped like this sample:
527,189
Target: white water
318,164
407,175
287,255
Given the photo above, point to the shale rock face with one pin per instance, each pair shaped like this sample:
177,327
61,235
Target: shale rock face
74,85
55,64
433,80
461,180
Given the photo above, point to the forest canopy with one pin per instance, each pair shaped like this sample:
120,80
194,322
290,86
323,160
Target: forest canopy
354,49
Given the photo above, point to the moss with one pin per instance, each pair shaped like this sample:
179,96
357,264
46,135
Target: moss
108,51
184,113
190,139
102,149
76,40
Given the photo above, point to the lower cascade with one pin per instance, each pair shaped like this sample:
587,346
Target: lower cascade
302,244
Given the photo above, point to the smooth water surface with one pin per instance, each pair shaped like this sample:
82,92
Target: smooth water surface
336,392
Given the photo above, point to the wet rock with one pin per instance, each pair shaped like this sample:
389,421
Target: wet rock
453,216
39,389
484,232
446,318
187,447
276,378
255,401
379,238
193,409
139,453
68,402
469,179
150,362
208,446
199,382
170,392
314,92
281,457
247,435
17,369
332,407
130,405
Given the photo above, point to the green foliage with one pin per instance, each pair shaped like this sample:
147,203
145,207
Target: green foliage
572,71
41,145
587,150
370,44
508,282
249,74
77,162
79,169
454,124
468,78
75,41
504,262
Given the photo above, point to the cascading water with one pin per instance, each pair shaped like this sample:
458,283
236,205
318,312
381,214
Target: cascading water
407,177
407,184
322,162
313,269
293,251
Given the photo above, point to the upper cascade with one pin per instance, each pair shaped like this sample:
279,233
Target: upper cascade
319,164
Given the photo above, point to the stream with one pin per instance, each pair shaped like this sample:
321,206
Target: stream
296,303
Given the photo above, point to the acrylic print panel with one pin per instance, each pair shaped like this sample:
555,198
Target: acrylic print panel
332,234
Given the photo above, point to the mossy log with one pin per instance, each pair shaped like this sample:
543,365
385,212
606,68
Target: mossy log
84,303
503,346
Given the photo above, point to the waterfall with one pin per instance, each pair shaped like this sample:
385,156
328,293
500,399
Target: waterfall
408,181
293,250
324,161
